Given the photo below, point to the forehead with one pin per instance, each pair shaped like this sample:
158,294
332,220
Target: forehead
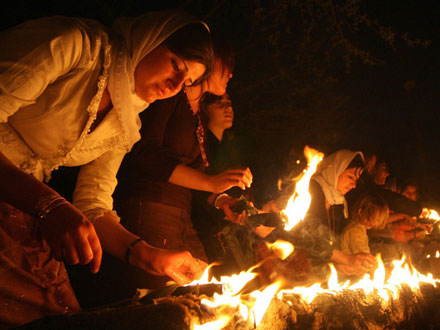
356,171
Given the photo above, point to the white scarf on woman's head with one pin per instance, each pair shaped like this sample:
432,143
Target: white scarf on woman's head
328,173
137,37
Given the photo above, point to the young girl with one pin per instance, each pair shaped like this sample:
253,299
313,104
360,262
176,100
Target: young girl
371,211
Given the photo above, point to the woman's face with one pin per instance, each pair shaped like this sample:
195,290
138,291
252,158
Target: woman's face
411,192
381,173
220,113
161,74
218,81
347,180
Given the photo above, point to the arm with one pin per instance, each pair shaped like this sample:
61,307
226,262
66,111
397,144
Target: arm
115,239
188,177
95,185
65,227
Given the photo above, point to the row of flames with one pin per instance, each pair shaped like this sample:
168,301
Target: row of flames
252,307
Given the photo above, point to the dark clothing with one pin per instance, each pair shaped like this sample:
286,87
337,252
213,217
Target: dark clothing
224,241
396,202
168,139
319,232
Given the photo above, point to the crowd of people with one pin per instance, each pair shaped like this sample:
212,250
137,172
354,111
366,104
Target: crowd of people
163,185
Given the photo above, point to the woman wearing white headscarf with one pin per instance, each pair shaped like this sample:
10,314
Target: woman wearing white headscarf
327,216
70,94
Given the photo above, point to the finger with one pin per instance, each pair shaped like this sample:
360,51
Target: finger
95,245
70,252
84,251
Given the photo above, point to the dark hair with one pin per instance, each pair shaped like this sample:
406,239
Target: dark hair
407,183
356,162
208,99
223,50
193,43
205,101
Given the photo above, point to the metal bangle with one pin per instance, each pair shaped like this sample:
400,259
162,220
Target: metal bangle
47,205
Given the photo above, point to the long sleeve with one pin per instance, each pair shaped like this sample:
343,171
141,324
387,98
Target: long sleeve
354,239
96,183
34,55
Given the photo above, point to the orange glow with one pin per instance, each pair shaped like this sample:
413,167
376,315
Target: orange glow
299,203
281,249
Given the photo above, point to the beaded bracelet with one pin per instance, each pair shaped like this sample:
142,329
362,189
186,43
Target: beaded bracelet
47,205
130,247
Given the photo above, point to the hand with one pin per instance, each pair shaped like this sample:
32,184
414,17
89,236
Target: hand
180,266
225,203
364,260
349,269
72,237
238,177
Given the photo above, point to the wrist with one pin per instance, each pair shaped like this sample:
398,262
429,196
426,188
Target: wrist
46,205
129,251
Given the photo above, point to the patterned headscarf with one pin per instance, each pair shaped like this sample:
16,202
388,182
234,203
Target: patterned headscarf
138,37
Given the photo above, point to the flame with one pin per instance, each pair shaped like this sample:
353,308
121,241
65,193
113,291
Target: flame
430,214
280,248
299,203
262,301
251,307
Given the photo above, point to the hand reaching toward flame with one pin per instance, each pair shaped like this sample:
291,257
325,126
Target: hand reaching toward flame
353,264
180,266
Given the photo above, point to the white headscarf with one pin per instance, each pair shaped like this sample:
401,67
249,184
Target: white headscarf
328,173
138,37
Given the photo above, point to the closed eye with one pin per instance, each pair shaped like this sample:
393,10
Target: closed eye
174,65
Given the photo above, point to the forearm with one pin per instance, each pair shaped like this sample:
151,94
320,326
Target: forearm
20,189
188,177
340,257
113,236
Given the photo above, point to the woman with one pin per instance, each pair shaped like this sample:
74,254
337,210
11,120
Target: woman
156,178
71,92
328,213
224,242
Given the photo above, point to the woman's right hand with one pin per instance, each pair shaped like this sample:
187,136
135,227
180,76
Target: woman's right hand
236,177
72,237
180,266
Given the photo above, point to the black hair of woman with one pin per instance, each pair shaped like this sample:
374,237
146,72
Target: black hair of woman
193,42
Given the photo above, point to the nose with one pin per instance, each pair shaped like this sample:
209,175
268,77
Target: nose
353,184
175,84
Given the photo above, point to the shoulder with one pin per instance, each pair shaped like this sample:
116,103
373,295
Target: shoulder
56,34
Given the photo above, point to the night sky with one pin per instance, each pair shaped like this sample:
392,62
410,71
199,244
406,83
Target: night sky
287,92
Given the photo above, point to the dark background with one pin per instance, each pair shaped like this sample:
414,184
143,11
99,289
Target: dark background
329,74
